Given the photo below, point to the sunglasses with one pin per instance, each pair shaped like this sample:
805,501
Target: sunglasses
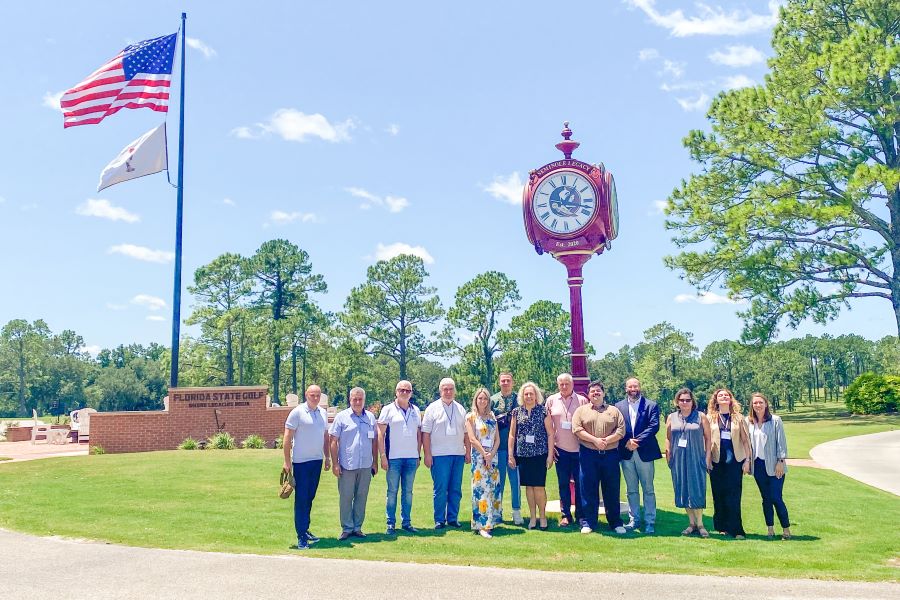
685,399
404,390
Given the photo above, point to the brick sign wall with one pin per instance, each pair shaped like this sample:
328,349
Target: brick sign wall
193,412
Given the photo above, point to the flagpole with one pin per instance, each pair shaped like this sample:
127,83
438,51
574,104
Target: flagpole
176,297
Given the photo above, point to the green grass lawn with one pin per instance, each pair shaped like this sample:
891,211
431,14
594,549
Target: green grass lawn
809,426
227,501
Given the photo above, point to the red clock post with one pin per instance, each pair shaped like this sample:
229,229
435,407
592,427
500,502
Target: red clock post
571,212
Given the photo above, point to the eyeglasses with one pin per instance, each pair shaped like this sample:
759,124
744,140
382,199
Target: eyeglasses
685,399
404,391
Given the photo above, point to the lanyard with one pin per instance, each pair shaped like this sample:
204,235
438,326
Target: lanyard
725,423
360,420
568,406
406,412
449,415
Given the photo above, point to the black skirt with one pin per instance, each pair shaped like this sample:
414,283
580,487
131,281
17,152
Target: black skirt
532,470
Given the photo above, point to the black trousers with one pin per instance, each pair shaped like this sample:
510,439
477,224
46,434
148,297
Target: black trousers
727,480
600,474
568,467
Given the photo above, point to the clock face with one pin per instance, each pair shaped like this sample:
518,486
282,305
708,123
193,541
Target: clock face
613,208
564,203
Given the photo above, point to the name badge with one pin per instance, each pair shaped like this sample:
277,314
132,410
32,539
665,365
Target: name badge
567,424
726,435
682,443
529,439
371,434
407,432
451,430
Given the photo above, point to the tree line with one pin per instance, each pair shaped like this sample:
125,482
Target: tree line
259,322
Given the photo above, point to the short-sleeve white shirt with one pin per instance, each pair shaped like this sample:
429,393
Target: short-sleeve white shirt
309,432
404,429
438,420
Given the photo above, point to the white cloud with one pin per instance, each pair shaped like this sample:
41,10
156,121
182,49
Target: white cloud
706,298
710,20
229,202
155,318
735,82
280,217
648,54
105,210
698,103
615,333
149,302
142,253
737,56
658,207
93,349
393,129
51,100
387,252
196,44
675,69
507,189
393,204
294,126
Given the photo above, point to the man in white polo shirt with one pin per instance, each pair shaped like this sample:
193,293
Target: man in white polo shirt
305,445
400,446
446,448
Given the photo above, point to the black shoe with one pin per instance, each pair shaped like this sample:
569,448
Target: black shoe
302,544
440,525
455,524
390,530
410,529
311,538
358,533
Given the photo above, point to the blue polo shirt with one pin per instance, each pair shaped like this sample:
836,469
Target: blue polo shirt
354,435
309,432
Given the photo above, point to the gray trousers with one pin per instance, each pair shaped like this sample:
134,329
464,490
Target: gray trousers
353,489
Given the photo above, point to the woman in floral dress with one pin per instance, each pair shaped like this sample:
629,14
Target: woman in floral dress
481,426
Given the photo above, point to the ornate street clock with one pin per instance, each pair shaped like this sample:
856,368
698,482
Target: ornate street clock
571,212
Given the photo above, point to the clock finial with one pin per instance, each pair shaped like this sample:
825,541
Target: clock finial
568,145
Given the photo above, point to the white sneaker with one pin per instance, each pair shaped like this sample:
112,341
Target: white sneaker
620,530
485,534
517,517
586,529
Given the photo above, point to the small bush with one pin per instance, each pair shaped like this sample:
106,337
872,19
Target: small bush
872,394
189,444
279,442
221,441
253,442
97,450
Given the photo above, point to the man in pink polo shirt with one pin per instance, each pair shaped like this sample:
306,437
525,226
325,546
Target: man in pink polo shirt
561,407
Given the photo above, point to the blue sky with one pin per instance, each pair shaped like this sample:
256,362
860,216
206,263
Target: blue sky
359,130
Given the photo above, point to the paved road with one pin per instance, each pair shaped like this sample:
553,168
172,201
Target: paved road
99,571
873,459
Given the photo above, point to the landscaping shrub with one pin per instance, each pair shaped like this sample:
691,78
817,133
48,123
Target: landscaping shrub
872,394
279,442
97,450
189,444
221,441
254,442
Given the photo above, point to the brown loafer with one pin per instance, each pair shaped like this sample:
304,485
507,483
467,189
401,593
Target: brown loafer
344,535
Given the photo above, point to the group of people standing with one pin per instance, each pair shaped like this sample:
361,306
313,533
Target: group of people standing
517,435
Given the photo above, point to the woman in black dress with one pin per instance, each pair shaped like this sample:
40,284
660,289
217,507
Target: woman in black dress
529,431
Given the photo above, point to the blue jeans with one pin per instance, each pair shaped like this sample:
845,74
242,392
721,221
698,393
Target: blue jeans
306,477
567,467
599,471
515,490
446,476
401,472
770,488
637,472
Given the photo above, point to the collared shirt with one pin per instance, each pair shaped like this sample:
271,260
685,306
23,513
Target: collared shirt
309,432
447,427
561,411
599,422
354,434
501,406
404,429
633,406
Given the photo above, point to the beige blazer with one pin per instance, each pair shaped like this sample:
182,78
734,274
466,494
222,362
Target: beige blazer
740,438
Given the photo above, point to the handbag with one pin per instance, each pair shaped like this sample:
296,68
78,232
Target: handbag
287,485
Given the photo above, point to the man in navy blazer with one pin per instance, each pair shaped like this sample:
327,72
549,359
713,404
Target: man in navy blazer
637,451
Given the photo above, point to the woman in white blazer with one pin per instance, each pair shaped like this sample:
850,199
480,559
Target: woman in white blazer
768,462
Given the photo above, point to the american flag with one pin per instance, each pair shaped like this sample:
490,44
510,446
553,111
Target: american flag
138,77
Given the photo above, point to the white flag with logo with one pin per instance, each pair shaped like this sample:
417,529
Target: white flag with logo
144,156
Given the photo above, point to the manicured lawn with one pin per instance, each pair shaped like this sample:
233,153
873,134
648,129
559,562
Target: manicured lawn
227,501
